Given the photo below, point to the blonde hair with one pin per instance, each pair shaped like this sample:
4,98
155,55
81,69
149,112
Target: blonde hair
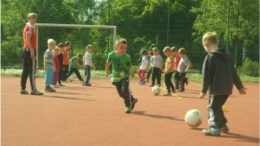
166,49
56,49
155,49
120,41
182,51
32,15
51,42
210,38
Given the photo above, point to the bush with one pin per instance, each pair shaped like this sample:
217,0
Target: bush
250,68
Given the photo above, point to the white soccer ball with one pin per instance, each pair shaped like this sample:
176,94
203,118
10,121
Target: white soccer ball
156,90
193,118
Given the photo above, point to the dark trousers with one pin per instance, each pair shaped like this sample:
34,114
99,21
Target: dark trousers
28,70
180,81
216,115
65,72
76,71
176,80
156,74
60,76
149,74
124,91
168,82
87,73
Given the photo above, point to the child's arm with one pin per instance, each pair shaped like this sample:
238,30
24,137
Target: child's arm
237,82
207,72
188,67
77,63
132,72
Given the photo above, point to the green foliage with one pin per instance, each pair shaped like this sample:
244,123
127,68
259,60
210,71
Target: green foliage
250,68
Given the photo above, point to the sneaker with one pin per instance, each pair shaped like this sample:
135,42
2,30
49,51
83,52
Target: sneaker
55,86
49,89
179,90
133,103
225,129
211,131
147,81
168,94
24,92
36,92
142,82
61,85
127,110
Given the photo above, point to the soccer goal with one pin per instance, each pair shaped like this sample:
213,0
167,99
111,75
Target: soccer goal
78,26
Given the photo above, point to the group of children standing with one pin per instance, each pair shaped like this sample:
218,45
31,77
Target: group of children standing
177,63
59,66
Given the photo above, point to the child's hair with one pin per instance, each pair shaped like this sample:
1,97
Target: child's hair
210,38
56,50
155,49
51,42
150,52
182,51
143,52
79,55
32,15
173,49
60,45
67,43
89,46
120,41
166,49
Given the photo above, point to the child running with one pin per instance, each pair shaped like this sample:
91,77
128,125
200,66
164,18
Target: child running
183,67
219,76
168,70
156,63
60,56
74,66
143,67
87,59
150,54
121,70
56,67
49,65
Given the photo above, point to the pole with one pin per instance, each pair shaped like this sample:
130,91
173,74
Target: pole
227,47
114,39
37,48
168,21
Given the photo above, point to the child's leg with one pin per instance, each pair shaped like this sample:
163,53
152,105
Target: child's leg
148,74
76,71
170,82
48,77
182,81
55,78
140,74
87,73
216,115
60,76
167,84
177,80
119,88
66,72
159,77
26,69
143,75
153,76
69,74
128,98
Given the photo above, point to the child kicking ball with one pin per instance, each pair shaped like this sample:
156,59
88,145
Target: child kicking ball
219,76
121,70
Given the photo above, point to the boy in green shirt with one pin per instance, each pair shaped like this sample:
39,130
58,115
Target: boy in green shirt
74,66
121,70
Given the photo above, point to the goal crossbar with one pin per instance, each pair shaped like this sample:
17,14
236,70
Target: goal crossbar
37,25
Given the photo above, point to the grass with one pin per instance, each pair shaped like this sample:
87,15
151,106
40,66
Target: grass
192,76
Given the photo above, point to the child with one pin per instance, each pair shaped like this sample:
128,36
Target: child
48,65
182,68
156,63
60,56
219,76
168,70
177,59
87,59
56,67
121,70
74,66
66,57
143,67
150,54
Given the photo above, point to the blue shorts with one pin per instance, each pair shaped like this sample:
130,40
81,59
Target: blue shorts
48,77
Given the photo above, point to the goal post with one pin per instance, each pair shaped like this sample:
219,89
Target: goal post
38,25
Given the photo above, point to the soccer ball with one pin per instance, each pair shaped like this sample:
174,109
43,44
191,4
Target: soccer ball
156,90
193,118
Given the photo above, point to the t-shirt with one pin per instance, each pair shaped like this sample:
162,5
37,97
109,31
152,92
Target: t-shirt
66,57
169,63
183,64
49,60
87,58
144,63
57,63
73,61
177,59
156,61
120,66
28,28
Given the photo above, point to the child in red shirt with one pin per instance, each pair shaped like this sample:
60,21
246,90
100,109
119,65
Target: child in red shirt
56,67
